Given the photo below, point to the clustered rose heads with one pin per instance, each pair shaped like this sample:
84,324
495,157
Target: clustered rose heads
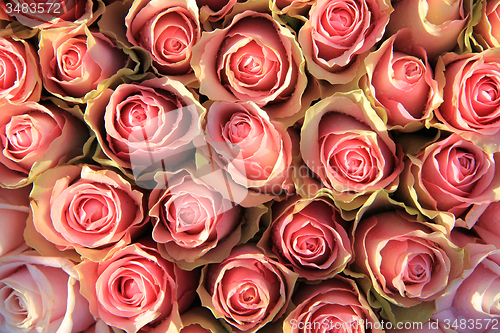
249,166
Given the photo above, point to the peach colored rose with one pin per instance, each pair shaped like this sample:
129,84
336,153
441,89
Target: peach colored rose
334,305
20,71
407,261
135,287
41,294
14,210
214,10
167,30
454,175
44,14
76,63
435,25
309,237
247,290
345,144
253,59
399,83
254,150
34,138
192,221
487,31
471,94
85,208
146,126
338,32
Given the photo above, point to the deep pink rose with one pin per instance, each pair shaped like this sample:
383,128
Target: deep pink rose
135,287
247,290
399,83
21,80
471,93
77,64
308,236
167,30
453,175
407,261
85,208
14,210
146,126
35,138
334,305
191,220
41,295
338,32
253,59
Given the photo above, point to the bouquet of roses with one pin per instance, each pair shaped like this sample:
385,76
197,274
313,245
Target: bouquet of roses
252,165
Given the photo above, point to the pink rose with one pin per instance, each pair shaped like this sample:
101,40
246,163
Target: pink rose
247,290
471,94
78,64
21,75
193,223
41,294
253,59
14,210
135,287
309,237
435,25
334,305
167,30
488,224
338,32
213,11
399,83
345,144
85,208
487,31
146,126
453,175
45,14
35,138
407,261
254,150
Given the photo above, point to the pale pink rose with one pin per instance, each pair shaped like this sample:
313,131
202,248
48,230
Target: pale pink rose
338,32
435,24
400,84
454,175
253,59
334,305
34,138
309,237
487,31
86,208
192,221
471,94
76,63
45,14
214,10
346,145
407,261
247,290
167,30
41,295
135,287
146,126
21,80
254,150
14,210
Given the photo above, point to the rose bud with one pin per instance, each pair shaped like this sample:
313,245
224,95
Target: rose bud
35,138
14,209
248,290
41,294
253,59
135,287
407,261
338,32
399,84
334,305
309,237
88,209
